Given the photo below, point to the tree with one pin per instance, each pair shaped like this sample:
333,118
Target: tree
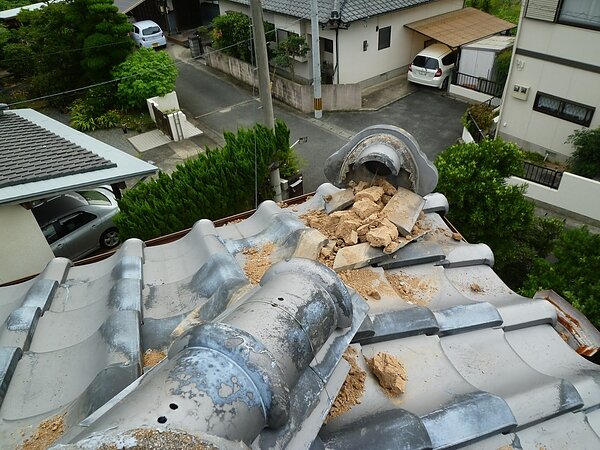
215,184
233,34
104,34
572,273
292,47
66,45
146,73
585,160
486,209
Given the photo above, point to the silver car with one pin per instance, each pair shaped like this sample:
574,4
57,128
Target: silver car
78,223
433,66
147,33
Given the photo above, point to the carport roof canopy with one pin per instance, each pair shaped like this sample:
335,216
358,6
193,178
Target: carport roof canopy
460,27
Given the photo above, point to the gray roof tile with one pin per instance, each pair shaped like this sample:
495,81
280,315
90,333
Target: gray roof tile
349,10
261,361
29,153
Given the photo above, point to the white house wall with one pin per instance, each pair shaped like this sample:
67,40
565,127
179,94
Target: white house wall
24,249
356,65
369,66
534,130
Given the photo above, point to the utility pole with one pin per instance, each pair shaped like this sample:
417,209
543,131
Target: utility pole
264,84
316,60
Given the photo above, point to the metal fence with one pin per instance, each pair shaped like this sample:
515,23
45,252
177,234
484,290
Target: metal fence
542,175
477,84
474,129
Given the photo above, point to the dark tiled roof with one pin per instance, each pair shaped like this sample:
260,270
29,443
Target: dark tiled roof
349,10
31,153
254,329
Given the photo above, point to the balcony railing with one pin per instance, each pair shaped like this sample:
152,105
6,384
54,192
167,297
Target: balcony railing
477,84
542,175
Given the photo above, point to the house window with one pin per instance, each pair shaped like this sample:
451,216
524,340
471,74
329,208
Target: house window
584,13
385,36
282,35
327,45
564,109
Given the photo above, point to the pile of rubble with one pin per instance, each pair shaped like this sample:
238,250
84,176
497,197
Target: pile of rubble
364,217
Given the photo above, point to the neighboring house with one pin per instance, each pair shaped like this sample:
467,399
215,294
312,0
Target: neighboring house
366,42
40,158
8,17
554,81
172,15
256,339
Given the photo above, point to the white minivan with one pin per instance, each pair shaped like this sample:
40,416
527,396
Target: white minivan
147,33
433,66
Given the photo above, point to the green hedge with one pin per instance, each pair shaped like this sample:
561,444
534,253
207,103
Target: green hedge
216,184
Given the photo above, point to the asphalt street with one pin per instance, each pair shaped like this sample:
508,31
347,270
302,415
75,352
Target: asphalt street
220,103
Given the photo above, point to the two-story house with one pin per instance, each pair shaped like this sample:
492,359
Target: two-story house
553,87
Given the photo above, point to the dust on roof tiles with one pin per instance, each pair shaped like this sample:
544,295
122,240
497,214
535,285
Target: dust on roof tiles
256,343
29,153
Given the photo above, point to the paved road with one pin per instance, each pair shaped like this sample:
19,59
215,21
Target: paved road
220,103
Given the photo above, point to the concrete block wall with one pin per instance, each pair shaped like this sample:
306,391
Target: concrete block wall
336,97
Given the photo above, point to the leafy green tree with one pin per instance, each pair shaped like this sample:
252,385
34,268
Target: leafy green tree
146,73
585,160
572,273
486,209
104,36
502,64
213,185
69,44
232,33
292,47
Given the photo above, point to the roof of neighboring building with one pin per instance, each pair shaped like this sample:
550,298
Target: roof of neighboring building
127,5
40,157
493,43
12,13
349,10
257,336
460,27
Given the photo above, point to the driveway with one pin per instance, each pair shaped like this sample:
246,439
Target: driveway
220,103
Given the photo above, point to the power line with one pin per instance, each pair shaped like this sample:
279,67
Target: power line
72,91
39,55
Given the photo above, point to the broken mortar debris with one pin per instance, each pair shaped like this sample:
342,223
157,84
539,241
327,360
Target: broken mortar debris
46,434
369,283
390,373
365,207
152,357
257,262
353,388
366,223
373,193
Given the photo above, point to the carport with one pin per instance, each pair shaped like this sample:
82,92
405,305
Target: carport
456,29
460,27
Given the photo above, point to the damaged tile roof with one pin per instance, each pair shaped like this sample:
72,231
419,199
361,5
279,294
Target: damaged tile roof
262,345
347,11
40,156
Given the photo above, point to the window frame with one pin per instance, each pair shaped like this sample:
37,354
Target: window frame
559,112
380,43
557,19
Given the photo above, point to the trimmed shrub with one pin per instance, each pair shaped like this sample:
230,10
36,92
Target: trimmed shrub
215,184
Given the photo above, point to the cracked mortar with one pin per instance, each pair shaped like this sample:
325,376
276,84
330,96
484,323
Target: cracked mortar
257,262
